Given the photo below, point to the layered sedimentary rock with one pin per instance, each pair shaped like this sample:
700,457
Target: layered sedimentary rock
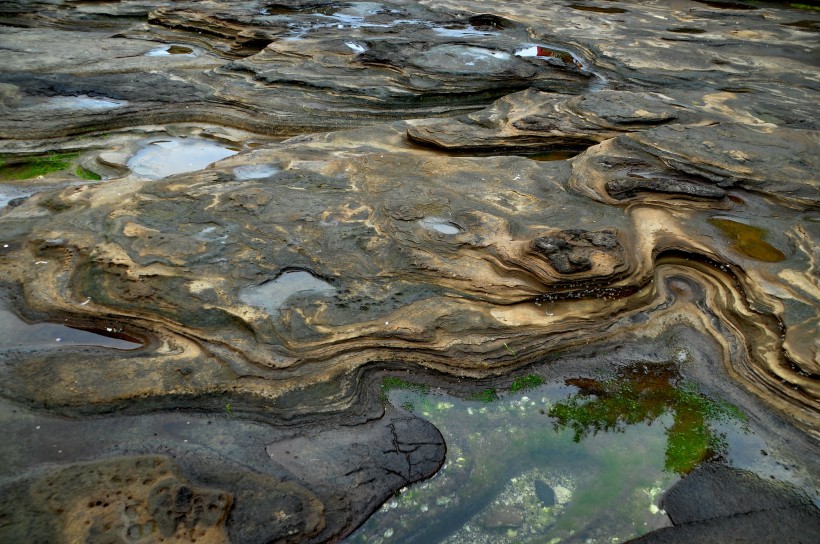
266,295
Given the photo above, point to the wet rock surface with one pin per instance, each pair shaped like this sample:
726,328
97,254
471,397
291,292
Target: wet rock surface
716,503
201,315
723,492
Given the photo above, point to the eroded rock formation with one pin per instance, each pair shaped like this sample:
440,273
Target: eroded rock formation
411,226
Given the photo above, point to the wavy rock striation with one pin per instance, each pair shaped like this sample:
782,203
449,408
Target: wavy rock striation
412,228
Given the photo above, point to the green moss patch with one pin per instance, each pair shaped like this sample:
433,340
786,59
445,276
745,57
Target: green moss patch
485,395
390,383
530,381
84,173
805,6
33,167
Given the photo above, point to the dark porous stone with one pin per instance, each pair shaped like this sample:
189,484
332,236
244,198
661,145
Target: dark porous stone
570,251
624,188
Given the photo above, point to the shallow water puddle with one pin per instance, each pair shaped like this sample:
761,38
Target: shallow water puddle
19,334
479,54
461,31
596,9
273,294
83,102
254,171
748,240
439,225
557,155
576,461
10,195
170,50
563,57
567,58
687,30
356,48
161,158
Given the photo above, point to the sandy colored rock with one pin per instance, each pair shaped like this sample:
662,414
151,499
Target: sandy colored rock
468,190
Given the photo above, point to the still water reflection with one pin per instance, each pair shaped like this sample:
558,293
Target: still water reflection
575,461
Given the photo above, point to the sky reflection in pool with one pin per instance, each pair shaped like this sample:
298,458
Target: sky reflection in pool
161,158
19,334
577,461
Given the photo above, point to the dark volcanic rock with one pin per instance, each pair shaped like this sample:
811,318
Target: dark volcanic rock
716,503
399,450
304,488
716,491
789,526
572,251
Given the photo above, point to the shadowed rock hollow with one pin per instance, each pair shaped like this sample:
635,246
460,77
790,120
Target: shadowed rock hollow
470,191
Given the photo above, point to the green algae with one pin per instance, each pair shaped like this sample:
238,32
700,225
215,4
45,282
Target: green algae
33,167
530,381
85,173
642,394
805,6
608,447
495,453
391,383
748,240
485,395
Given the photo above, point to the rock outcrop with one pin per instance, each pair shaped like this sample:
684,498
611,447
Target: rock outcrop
467,188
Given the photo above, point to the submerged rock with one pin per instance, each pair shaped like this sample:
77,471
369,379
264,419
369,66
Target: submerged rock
544,493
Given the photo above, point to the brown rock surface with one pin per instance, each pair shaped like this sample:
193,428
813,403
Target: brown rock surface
265,286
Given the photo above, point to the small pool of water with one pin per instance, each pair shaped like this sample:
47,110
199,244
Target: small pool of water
582,460
687,30
168,50
254,171
273,294
748,240
356,48
11,193
16,333
542,51
439,225
461,31
556,155
565,57
162,158
83,102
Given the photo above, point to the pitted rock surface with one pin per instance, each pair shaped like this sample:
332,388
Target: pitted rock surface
573,251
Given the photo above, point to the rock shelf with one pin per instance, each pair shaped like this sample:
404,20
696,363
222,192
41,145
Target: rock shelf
263,210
